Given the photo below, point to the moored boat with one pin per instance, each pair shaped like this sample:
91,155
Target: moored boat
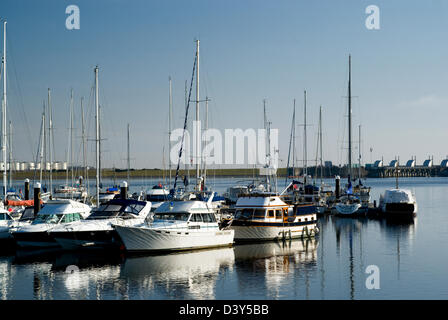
264,216
96,231
398,203
54,212
177,225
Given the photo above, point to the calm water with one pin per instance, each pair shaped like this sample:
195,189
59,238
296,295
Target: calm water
412,259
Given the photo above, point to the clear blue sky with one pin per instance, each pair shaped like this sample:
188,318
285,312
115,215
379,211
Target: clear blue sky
250,50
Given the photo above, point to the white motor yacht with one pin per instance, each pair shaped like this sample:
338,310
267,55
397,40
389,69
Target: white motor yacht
177,225
6,221
96,231
55,212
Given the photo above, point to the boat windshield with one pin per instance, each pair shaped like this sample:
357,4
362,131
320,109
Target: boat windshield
48,218
108,211
171,216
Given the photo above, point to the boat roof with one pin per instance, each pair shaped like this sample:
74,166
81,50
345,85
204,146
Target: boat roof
126,202
64,206
398,195
183,206
260,200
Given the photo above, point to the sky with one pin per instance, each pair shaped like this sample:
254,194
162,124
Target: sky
250,50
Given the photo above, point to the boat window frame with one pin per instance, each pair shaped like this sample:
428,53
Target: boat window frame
259,216
281,214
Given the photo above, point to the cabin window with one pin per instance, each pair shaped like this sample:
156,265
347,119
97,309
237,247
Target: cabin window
196,217
244,213
4,216
181,216
134,208
271,214
206,217
68,218
259,214
278,214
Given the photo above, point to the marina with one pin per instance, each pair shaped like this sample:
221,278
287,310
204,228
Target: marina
330,266
152,154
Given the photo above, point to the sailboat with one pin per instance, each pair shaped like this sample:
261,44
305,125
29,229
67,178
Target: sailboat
360,190
349,204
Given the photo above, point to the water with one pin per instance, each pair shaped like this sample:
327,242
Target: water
411,257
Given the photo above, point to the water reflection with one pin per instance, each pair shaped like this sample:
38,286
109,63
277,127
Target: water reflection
189,275
279,264
354,232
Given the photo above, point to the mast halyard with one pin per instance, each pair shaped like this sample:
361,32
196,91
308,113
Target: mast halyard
10,154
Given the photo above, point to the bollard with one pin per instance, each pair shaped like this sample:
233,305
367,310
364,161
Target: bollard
36,198
27,189
124,190
337,188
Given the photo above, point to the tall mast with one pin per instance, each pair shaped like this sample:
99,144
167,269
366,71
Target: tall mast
71,135
291,141
198,133
359,154
42,142
170,129
205,129
50,142
10,154
129,153
349,116
305,167
294,141
83,136
320,142
97,139
4,113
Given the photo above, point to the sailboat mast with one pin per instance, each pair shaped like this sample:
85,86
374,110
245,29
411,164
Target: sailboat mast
294,141
42,141
4,113
50,142
10,154
129,154
198,133
84,153
97,139
304,141
359,154
170,129
349,116
205,129
320,142
71,136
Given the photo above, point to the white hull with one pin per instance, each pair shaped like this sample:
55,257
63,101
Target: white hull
253,233
147,239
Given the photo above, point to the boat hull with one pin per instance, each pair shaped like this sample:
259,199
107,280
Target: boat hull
40,239
106,239
252,231
400,209
140,239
